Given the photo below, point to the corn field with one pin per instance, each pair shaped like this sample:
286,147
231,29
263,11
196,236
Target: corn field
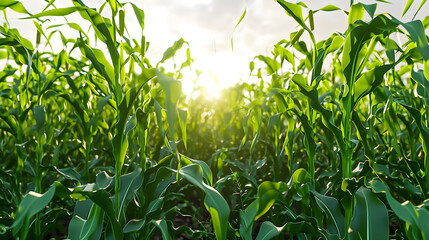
97,141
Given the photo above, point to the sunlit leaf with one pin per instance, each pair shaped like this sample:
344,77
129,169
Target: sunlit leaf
238,23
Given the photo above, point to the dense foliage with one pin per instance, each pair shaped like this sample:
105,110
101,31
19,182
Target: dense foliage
331,142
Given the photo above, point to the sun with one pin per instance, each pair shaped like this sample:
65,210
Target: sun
217,72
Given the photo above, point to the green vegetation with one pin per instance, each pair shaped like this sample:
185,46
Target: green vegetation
103,145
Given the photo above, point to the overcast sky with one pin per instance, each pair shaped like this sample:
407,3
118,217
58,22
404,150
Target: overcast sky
207,25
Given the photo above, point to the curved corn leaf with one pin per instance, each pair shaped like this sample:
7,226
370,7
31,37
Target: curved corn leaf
268,230
134,225
207,173
407,6
70,173
172,90
91,228
417,34
162,225
14,5
171,51
130,183
335,220
213,201
295,11
102,199
356,13
238,23
28,207
102,31
370,220
267,194
417,228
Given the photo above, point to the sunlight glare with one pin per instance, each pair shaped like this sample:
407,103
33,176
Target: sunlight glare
218,72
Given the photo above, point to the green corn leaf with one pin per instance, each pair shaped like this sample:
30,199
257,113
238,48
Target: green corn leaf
258,131
364,137
301,228
153,189
328,8
75,227
313,96
335,220
247,220
28,207
407,6
40,116
268,230
87,221
102,66
369,81
130,183
267,194
172,90
93,226
134,225
245,128
310,144
102,199
296,37
159,112
171,51
119,142
103,180
125,124
207,173
336,43
299,177
417,34
162,225
10,121
80,110
139,15
417,229
301,82
418,118
273,122
370,9
102,102
183,116
370,219
102,31
213,201
238,23
295,11
55,12
14,5
70,173
420,7
356,13
114,6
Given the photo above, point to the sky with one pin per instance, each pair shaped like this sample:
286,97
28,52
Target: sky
208,25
